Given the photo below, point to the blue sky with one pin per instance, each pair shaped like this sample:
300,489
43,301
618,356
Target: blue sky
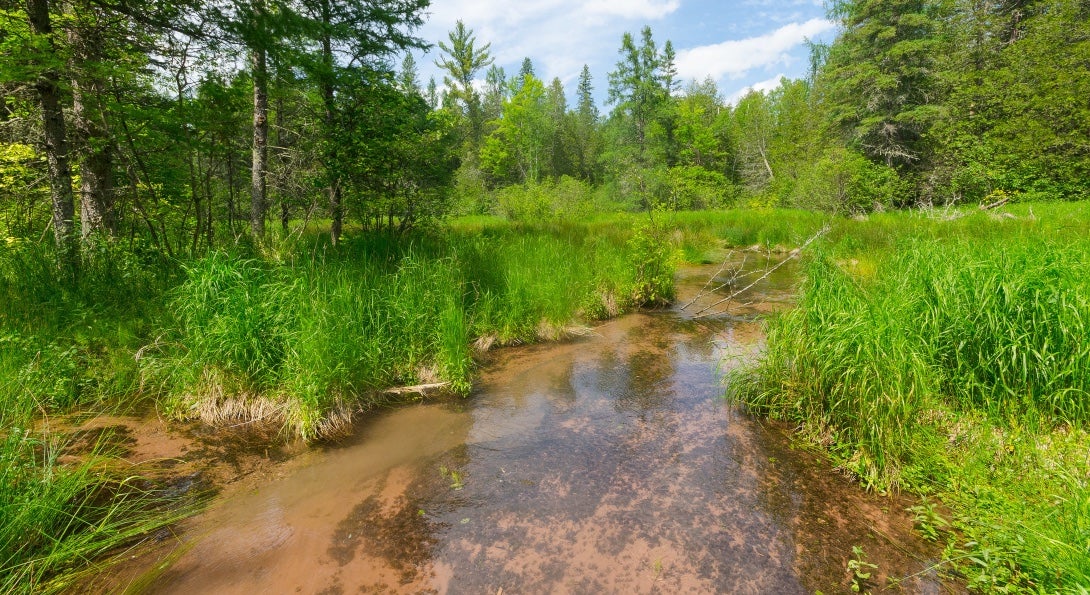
741,45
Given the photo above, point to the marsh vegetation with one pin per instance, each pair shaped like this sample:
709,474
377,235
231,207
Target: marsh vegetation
254,213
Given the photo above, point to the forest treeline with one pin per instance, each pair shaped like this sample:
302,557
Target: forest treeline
185,125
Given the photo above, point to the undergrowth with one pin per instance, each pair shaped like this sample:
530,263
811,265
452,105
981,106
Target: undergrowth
66,346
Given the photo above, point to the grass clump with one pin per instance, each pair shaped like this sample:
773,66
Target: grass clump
62,519
951,357
307,339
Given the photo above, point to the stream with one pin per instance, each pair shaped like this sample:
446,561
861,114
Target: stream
610,463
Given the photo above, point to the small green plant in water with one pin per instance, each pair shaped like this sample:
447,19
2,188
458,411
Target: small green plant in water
455,477
861,570
652,260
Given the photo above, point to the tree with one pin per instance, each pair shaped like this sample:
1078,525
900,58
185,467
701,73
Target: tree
408,80
587,139
561,131
753,130
356,33
1011,112
697,113
398,154
45,65
260,26
636,89
462,62
516,150
641,124
93,39
432,94
495,92
527,69
669,69
880,77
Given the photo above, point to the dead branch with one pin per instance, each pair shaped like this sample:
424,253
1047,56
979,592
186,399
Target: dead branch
703,312
704,290
422,389
996,204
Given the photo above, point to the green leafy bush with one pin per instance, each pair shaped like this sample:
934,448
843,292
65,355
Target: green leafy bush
847,183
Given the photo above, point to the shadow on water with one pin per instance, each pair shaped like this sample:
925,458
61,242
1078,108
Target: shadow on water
607,464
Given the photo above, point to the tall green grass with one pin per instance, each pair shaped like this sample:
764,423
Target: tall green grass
65,346
58,520
311,337
953,357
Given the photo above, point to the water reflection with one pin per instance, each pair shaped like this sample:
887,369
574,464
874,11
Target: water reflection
608,464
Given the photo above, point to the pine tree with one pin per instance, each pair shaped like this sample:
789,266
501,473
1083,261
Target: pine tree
880,78
637,92
669,69
586,136
408,78
586,108
432,96
462,61
495,92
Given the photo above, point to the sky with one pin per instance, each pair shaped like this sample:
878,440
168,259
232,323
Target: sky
740,44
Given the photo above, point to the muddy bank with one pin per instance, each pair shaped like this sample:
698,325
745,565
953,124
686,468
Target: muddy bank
610,463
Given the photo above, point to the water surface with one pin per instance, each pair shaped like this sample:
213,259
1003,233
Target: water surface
608,464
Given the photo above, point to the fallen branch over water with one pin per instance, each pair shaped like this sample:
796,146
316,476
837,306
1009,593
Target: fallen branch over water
704,312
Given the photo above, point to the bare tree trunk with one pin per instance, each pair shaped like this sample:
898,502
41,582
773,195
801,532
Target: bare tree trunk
209,230
764,159
259,182
56,147
230,188
97,213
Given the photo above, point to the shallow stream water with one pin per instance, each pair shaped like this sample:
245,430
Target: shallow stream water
607,464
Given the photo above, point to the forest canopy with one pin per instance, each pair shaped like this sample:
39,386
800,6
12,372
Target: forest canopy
189,125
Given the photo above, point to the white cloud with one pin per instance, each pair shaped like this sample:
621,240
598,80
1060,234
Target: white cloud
631,9
735,59
559,35
761,86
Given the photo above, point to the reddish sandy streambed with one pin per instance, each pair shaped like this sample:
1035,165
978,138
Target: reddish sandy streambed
608,464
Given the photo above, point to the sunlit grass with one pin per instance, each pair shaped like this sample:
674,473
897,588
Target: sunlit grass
318,333
951,356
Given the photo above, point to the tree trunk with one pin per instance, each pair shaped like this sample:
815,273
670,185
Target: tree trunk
259,184
209,227
336,204
88,116
56,147
230,188
281,153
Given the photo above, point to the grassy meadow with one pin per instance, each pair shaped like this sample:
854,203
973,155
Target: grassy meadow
946,354
949,355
